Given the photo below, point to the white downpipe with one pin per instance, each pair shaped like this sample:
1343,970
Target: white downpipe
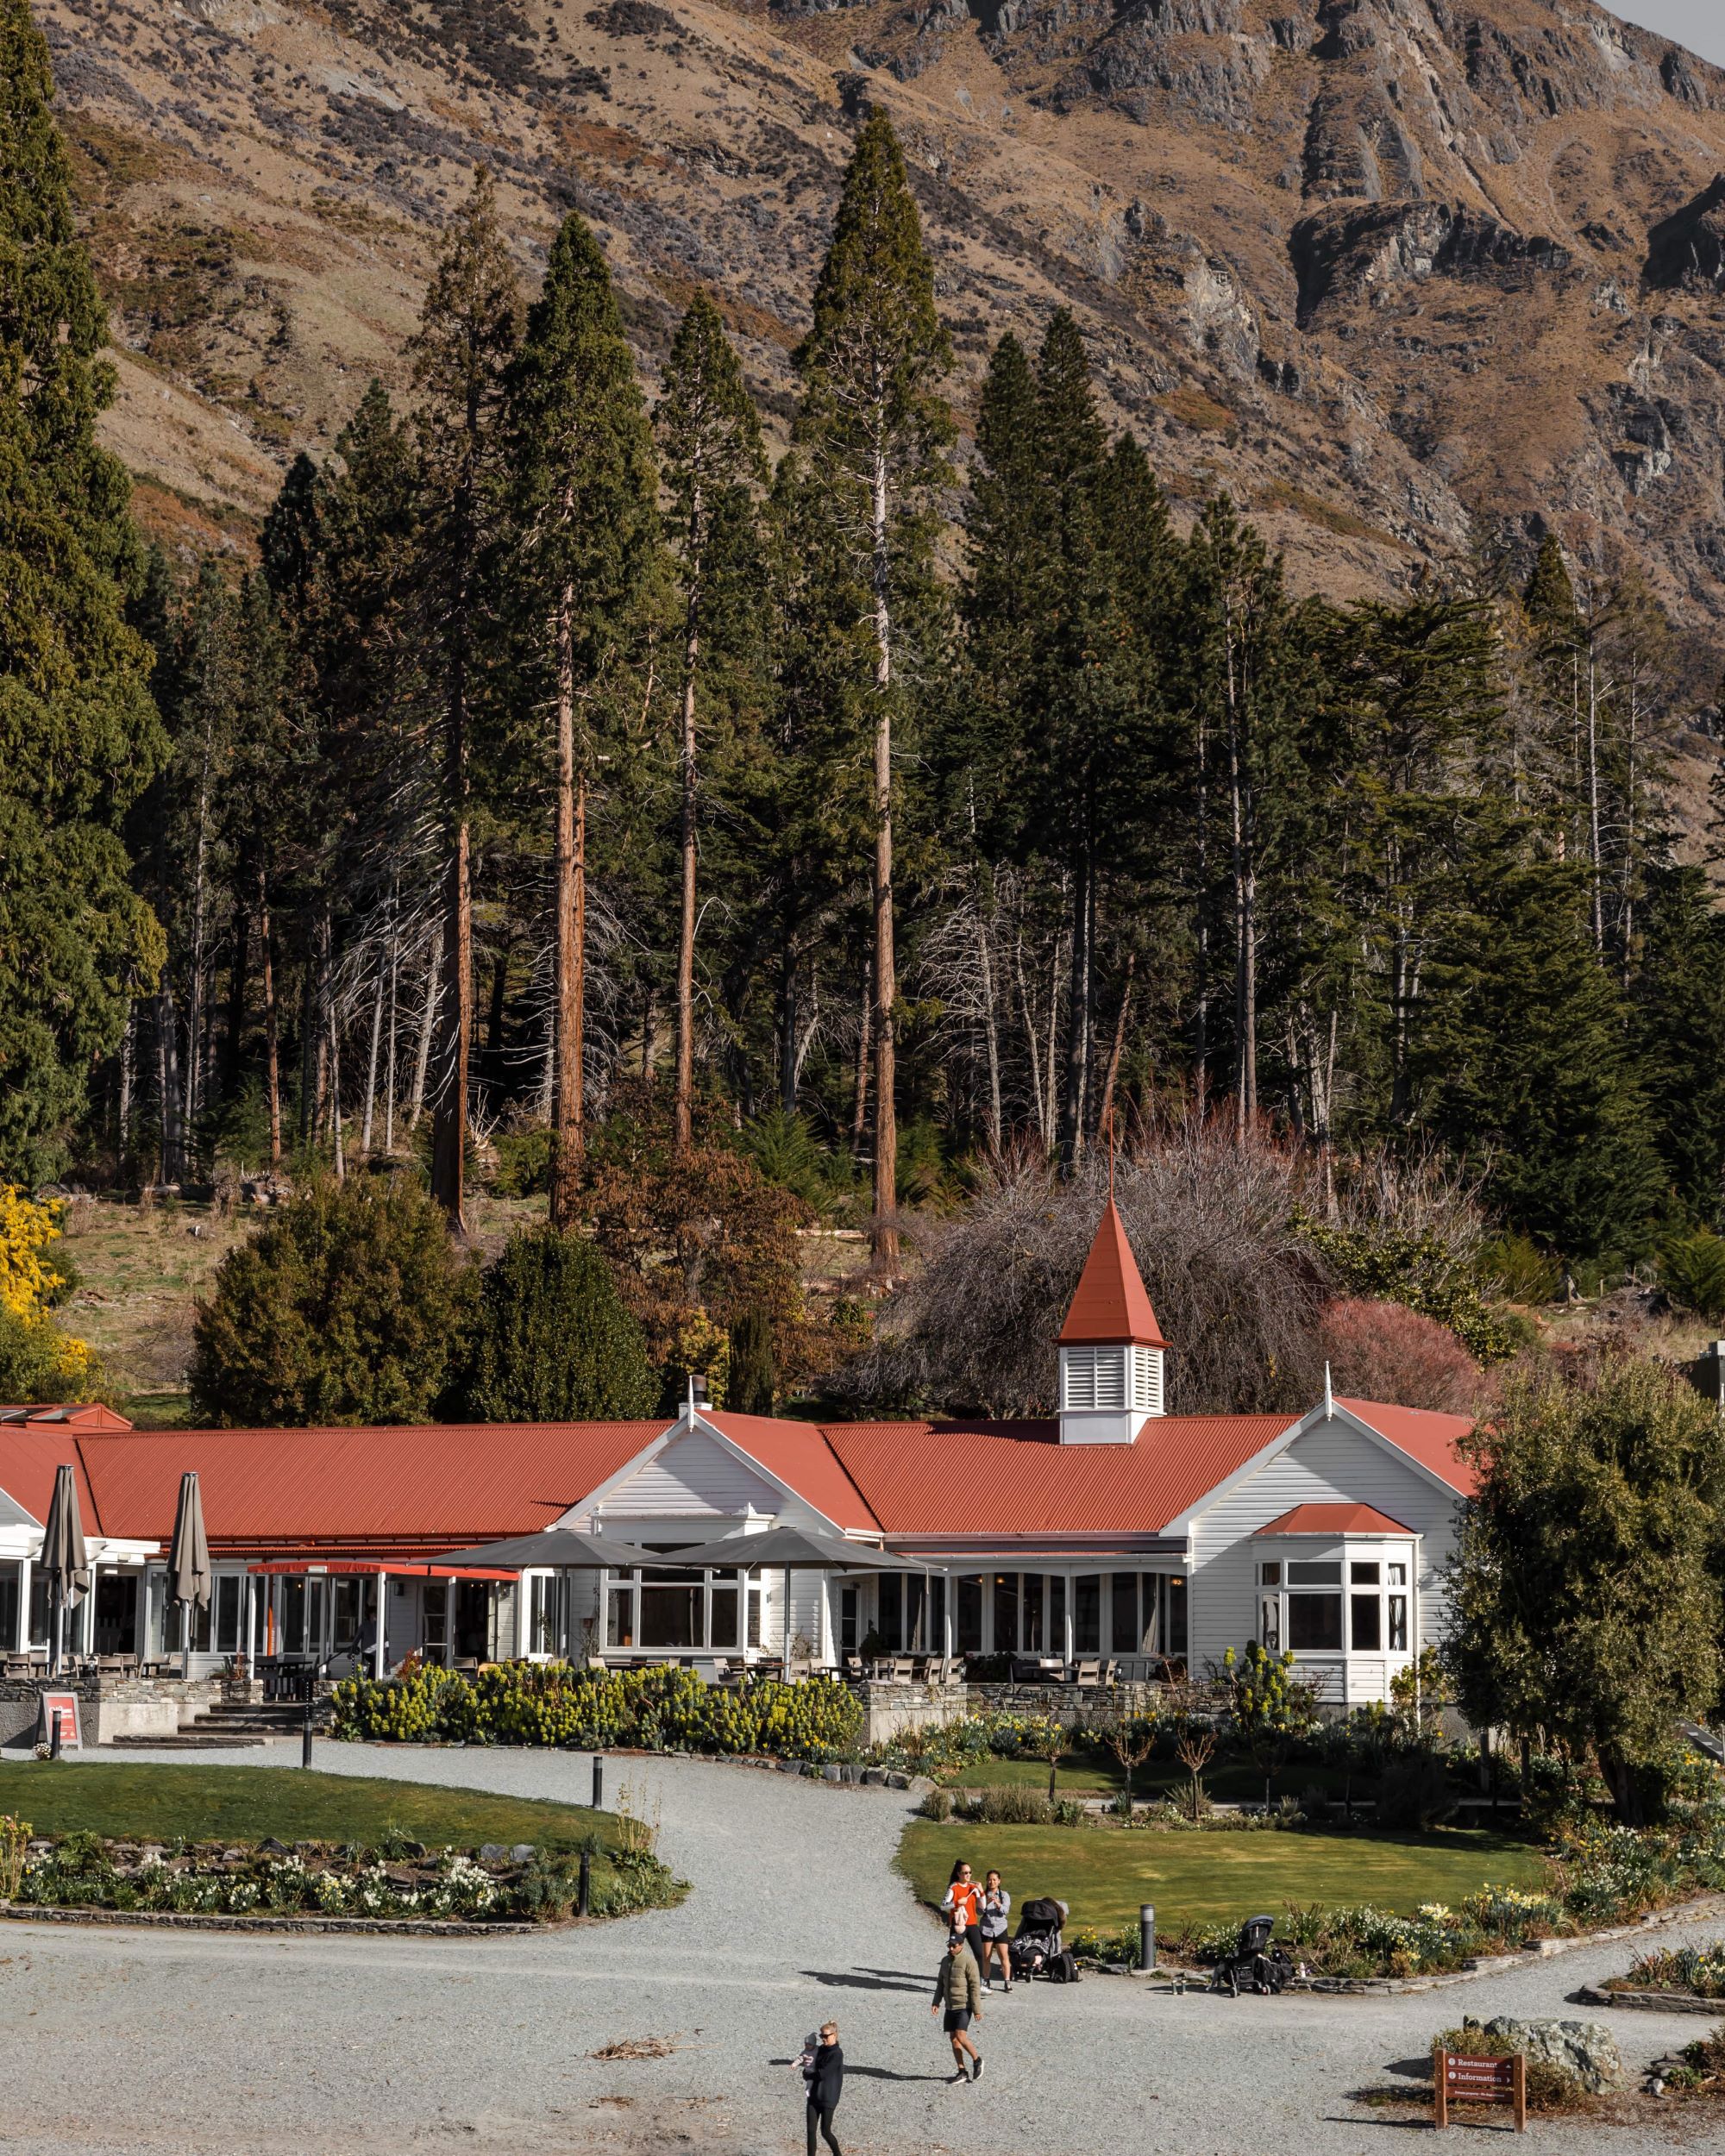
380,1652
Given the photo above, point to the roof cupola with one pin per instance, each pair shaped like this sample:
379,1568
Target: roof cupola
1111,1347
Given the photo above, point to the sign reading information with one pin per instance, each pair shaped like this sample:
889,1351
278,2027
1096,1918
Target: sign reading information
1458,2079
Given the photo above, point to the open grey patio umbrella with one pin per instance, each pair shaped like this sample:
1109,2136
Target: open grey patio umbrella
64,1557
796,1549
557,1550
188,1560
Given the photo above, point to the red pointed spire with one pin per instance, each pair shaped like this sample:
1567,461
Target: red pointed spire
1110,1306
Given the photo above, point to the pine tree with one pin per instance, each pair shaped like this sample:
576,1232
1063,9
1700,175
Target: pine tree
461,353
712,451
80,736
1526,1063
876,432
585,503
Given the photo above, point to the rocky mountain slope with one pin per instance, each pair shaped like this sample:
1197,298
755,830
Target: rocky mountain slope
1410,276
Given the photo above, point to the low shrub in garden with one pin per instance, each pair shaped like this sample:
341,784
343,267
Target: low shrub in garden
1011,1805
83,1870
1699,1969
656,1709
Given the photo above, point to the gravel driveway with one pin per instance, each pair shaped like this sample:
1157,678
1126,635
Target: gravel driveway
189,2042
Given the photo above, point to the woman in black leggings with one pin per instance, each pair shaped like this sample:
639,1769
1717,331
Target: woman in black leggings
825,2086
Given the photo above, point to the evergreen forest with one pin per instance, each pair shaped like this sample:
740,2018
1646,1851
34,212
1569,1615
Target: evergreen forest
933,794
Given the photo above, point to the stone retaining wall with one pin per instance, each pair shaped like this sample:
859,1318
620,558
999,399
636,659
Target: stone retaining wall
889,1708
108,1706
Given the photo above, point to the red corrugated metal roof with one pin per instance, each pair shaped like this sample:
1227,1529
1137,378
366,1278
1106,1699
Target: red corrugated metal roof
799,1454
1334,1519
31,1454
80,1414
1109,1305
447,1485
1018,1479
1424,1436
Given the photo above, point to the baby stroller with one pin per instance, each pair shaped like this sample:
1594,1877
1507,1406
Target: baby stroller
1255,1964
1036,1950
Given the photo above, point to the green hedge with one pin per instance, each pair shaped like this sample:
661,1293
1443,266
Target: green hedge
657,1709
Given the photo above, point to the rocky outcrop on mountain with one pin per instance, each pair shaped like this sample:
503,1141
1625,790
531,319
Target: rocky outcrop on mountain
1686,253
1407,276
1358,252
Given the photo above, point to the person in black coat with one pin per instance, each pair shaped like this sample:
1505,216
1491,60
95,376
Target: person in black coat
825,2086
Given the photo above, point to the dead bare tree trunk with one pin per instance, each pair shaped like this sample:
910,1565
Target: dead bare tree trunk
428,1027
1118,1048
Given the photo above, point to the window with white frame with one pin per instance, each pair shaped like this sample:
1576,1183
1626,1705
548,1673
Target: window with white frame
1354,1603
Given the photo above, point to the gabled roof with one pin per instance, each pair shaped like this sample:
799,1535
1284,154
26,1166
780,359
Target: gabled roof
1109,1305
435,1487
1016,1478
1334,1519
80,1414
1424,1435
800,1455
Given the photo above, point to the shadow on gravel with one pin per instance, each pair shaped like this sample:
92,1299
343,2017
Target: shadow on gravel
1418,2069
885,2073
867,1979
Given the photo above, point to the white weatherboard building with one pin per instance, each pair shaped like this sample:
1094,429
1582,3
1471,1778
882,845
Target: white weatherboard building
1112,1530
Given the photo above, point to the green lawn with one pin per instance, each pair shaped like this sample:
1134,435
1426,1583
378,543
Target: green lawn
136,1799
1207,1878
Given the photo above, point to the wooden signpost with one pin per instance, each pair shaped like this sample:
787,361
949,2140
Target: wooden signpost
1458,2078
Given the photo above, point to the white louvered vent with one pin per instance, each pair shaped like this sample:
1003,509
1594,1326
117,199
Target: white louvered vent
1093,1377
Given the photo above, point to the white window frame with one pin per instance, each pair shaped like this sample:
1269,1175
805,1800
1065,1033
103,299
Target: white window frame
1281,1552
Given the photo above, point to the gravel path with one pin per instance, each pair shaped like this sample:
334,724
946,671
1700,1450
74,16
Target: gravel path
193,2041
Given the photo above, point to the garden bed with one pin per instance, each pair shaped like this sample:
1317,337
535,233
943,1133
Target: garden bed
1674,1980
267,1844
267,1882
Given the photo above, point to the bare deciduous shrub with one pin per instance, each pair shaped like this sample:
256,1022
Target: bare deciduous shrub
1383,1351
1214,1226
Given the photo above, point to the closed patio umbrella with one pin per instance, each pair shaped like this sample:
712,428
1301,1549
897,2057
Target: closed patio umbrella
188,1559
64,1557
795,1549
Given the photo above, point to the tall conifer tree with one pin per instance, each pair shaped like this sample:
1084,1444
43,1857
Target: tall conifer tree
80,736
586,490
710,441
876,431
461,353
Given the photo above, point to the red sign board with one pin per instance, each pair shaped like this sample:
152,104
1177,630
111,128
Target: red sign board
1456,2078
59,1709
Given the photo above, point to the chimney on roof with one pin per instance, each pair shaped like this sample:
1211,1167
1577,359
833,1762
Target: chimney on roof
1111,1347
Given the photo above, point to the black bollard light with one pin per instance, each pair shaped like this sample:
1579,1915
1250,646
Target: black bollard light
584,1893
54,1734
599,1782
306,1738
1146,1936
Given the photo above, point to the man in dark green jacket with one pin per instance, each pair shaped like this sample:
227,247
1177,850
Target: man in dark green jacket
958,1991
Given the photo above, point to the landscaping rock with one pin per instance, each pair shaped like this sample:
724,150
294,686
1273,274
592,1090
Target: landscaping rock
874,1777
493,1852
1586,2049
832,1774
522,1852
269,1847
790,1766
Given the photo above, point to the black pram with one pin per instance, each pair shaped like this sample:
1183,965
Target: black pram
1255,1964
1036,1950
